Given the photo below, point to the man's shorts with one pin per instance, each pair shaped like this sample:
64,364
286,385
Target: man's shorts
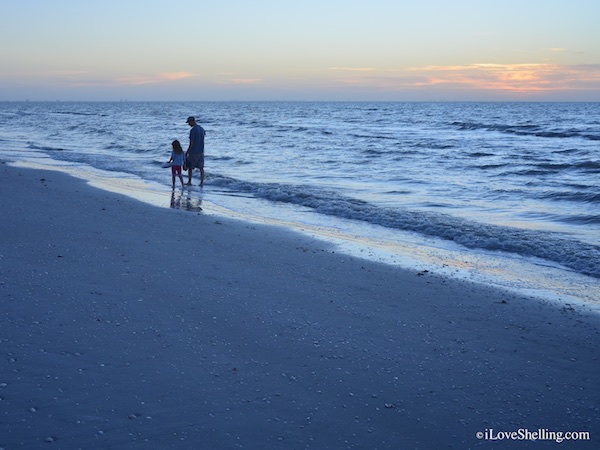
195,161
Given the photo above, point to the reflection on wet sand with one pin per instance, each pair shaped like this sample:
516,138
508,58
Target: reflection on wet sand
186,201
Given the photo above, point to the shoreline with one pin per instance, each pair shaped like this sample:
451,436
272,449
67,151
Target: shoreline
131,326
528,276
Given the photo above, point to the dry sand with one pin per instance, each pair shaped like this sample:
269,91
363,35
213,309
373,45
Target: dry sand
127,326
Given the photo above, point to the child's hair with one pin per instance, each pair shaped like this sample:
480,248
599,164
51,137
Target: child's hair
177,147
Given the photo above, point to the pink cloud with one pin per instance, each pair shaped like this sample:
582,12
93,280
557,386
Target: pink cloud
241,81
520,79
354,69
153,78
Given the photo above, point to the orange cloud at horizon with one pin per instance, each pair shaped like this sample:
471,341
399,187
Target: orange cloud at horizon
523,79
154,78
354,69
85,79
516,78
240,81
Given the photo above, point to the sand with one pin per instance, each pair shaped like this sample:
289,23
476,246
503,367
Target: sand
129,326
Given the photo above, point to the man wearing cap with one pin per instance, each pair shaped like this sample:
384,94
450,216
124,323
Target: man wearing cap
195,152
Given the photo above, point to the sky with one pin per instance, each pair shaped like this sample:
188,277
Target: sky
325,50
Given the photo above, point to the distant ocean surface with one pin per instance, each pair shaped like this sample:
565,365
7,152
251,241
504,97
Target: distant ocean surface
514,180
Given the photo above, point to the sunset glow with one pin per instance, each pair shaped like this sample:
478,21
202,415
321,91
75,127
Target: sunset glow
329,50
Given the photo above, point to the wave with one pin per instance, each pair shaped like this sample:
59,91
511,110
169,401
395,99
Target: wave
573,196
221,158
480,155
529,170
527,130
576,255
589,166
79,113
491,166
44,148
435,146
590,219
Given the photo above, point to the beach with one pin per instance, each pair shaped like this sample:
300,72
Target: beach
126,326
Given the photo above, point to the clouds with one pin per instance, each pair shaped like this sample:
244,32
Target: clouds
472,82
354,69
239,81
136,80
519,81
313,50
476,81
515,78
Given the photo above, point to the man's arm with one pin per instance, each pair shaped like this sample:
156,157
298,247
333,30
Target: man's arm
191,143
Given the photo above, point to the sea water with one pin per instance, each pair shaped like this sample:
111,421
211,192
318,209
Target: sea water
504,193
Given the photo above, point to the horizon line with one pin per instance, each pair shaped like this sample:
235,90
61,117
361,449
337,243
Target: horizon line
297,101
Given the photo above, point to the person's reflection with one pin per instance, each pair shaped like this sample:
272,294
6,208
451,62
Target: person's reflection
175,200
184,200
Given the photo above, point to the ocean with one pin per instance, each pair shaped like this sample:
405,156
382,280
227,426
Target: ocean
500,193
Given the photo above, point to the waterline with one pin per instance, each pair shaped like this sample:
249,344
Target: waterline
427,256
